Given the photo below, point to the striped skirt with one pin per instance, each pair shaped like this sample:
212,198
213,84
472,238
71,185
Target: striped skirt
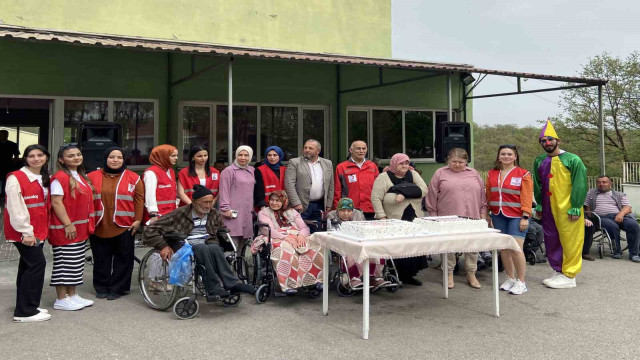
68,264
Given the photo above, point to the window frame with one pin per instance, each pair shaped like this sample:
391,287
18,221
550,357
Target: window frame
259,156
370,143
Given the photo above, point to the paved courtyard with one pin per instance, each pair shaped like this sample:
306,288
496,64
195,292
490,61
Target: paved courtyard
598,320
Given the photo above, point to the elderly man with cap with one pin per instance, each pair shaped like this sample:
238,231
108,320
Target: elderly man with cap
200,223
560,187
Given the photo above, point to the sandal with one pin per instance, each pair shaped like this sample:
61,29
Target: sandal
379,283
356,284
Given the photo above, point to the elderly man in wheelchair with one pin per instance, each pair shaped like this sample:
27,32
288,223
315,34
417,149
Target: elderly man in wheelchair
200,224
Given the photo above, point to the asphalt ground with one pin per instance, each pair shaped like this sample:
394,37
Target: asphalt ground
597,320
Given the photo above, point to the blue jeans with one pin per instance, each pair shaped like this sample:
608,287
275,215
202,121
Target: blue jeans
629,225
507,225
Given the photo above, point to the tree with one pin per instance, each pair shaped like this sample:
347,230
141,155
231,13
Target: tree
621,103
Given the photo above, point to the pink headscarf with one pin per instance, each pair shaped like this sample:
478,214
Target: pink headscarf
396,160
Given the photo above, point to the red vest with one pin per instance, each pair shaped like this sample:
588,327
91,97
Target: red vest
355,183
124,213
37,205
508,191
187,182
166,192
79,209
271,181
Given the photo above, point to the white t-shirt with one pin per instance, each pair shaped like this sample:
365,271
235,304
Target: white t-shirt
56,187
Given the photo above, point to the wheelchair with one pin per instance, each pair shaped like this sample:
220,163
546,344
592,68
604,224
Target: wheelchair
601,237
153,281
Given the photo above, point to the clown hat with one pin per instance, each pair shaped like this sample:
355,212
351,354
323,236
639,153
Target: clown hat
548,130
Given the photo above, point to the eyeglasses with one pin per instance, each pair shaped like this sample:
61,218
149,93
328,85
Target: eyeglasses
508,146
546,139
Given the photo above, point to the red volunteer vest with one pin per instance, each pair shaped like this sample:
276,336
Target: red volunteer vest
79,209
508,191
187,182
271,181
124,213
37,205
355,183
166,192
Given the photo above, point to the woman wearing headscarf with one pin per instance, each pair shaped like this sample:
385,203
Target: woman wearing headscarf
236,184
297,260
119,203
160,188
397,194
197,173
269,176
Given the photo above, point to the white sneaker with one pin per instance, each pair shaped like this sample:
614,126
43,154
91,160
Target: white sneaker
546,281
82,301
562,282
41,316
518,288
67,304
508,284
43,310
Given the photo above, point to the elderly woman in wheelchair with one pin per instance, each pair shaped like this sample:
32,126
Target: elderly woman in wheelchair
201,226
297,261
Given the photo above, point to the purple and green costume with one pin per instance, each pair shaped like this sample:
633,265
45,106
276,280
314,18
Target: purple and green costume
560,187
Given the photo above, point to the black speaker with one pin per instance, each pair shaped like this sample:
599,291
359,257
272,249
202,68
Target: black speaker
94,138
451,135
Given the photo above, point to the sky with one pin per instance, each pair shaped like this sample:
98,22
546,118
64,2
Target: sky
555,37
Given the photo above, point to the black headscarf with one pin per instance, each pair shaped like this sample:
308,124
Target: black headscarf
109,170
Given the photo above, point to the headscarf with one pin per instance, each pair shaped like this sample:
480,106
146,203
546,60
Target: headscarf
548,130
396,160
106,167
345,204
160,156
275,167
247,149
279,214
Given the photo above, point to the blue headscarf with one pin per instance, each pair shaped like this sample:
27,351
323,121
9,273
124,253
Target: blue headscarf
276,166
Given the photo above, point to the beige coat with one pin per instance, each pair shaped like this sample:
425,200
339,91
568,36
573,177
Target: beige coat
297,182
385,205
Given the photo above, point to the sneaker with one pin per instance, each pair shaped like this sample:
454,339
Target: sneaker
562,282
616,256
588,257
43,310
41,316
508,284
518,288
241,287
67,304
82,301
634,258
378,283
356,284
546,281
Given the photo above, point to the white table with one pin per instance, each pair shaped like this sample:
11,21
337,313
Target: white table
398,248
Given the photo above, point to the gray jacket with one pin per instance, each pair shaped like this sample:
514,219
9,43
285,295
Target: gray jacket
297,182
616,195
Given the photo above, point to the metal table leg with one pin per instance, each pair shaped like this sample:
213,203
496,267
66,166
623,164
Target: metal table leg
325,281
494,271
445,275
365,301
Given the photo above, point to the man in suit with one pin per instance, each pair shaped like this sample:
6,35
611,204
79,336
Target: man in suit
309,182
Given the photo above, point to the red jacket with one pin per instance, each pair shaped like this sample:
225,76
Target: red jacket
37,205
166,192
271,181
79,209
124,213
355,183
505,196
187,182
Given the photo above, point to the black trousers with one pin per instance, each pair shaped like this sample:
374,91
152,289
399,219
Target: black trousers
217,270
369,216
112,262
30,279
588,239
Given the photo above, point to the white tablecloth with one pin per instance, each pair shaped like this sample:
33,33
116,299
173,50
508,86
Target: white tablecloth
415,246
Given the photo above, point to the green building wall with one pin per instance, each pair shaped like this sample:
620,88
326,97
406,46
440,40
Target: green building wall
353,27
54,69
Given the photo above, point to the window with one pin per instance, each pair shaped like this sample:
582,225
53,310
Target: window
390,131
137,120
279,126
196,129
79,111
245,129
313,126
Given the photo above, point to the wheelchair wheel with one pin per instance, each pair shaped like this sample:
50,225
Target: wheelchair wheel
394,280
153,280
600,251
244,265
263,293
314,293
531,257
185,310
342,289
232,301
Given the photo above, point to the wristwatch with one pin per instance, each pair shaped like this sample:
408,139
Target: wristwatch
525,217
